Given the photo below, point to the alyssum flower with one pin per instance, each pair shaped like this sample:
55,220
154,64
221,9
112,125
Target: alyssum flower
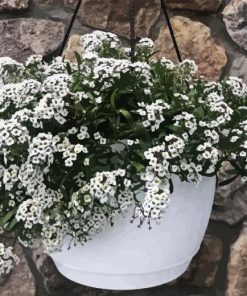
80,141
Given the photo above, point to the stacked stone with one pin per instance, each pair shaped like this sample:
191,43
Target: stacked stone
214,34
195,39
22,37
13,4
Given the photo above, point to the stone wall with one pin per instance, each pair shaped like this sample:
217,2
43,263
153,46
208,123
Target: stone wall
214,33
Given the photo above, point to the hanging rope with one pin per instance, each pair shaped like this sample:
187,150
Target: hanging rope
66,37
132,30
163,7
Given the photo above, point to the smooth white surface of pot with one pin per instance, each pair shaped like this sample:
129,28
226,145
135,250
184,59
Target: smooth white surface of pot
126,257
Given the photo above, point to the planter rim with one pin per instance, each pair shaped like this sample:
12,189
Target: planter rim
134,273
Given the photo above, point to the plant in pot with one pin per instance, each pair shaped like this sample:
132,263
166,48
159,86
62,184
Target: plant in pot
88,147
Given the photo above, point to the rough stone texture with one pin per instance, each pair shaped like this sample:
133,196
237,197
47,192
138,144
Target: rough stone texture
235,18
239,68
223,193
113,16
48,2
207,266
201,5
20,38
230,203
13,4
20,282
204,266
234,209
50,281
70,3
237,266
72,47
201,47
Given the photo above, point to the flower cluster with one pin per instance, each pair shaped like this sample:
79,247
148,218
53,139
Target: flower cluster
153,113
12,136
42,148
100,43
7,259
81,142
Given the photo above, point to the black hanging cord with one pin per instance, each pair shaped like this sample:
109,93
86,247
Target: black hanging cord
132,30
163,7
66,37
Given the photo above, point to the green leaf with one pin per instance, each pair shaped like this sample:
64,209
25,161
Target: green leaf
113,98
144,145
174,128
153,53
199,112
139,154
78,58
78,106
98,121
77,86
7,217
91,97
227,146
223,73
171,186
12,224
162,135
139,167
126,114
68,67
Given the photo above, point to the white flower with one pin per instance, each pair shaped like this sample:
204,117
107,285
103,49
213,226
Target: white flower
130,142
98,100
146,42
78,148
97,136
244,179
102,141
7,259
86,161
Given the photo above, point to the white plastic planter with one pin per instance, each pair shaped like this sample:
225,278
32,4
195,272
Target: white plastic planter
125,257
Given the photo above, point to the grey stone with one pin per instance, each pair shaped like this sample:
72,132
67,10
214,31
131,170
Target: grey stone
235,18
208,55
20,281
234,209
201,5
13,4
204,266
70,3
230,200
73,46
237,266
210,256
239,68
50,282
224,193
113,16
20,38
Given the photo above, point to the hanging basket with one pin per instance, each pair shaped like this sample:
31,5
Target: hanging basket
125,257
85,144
